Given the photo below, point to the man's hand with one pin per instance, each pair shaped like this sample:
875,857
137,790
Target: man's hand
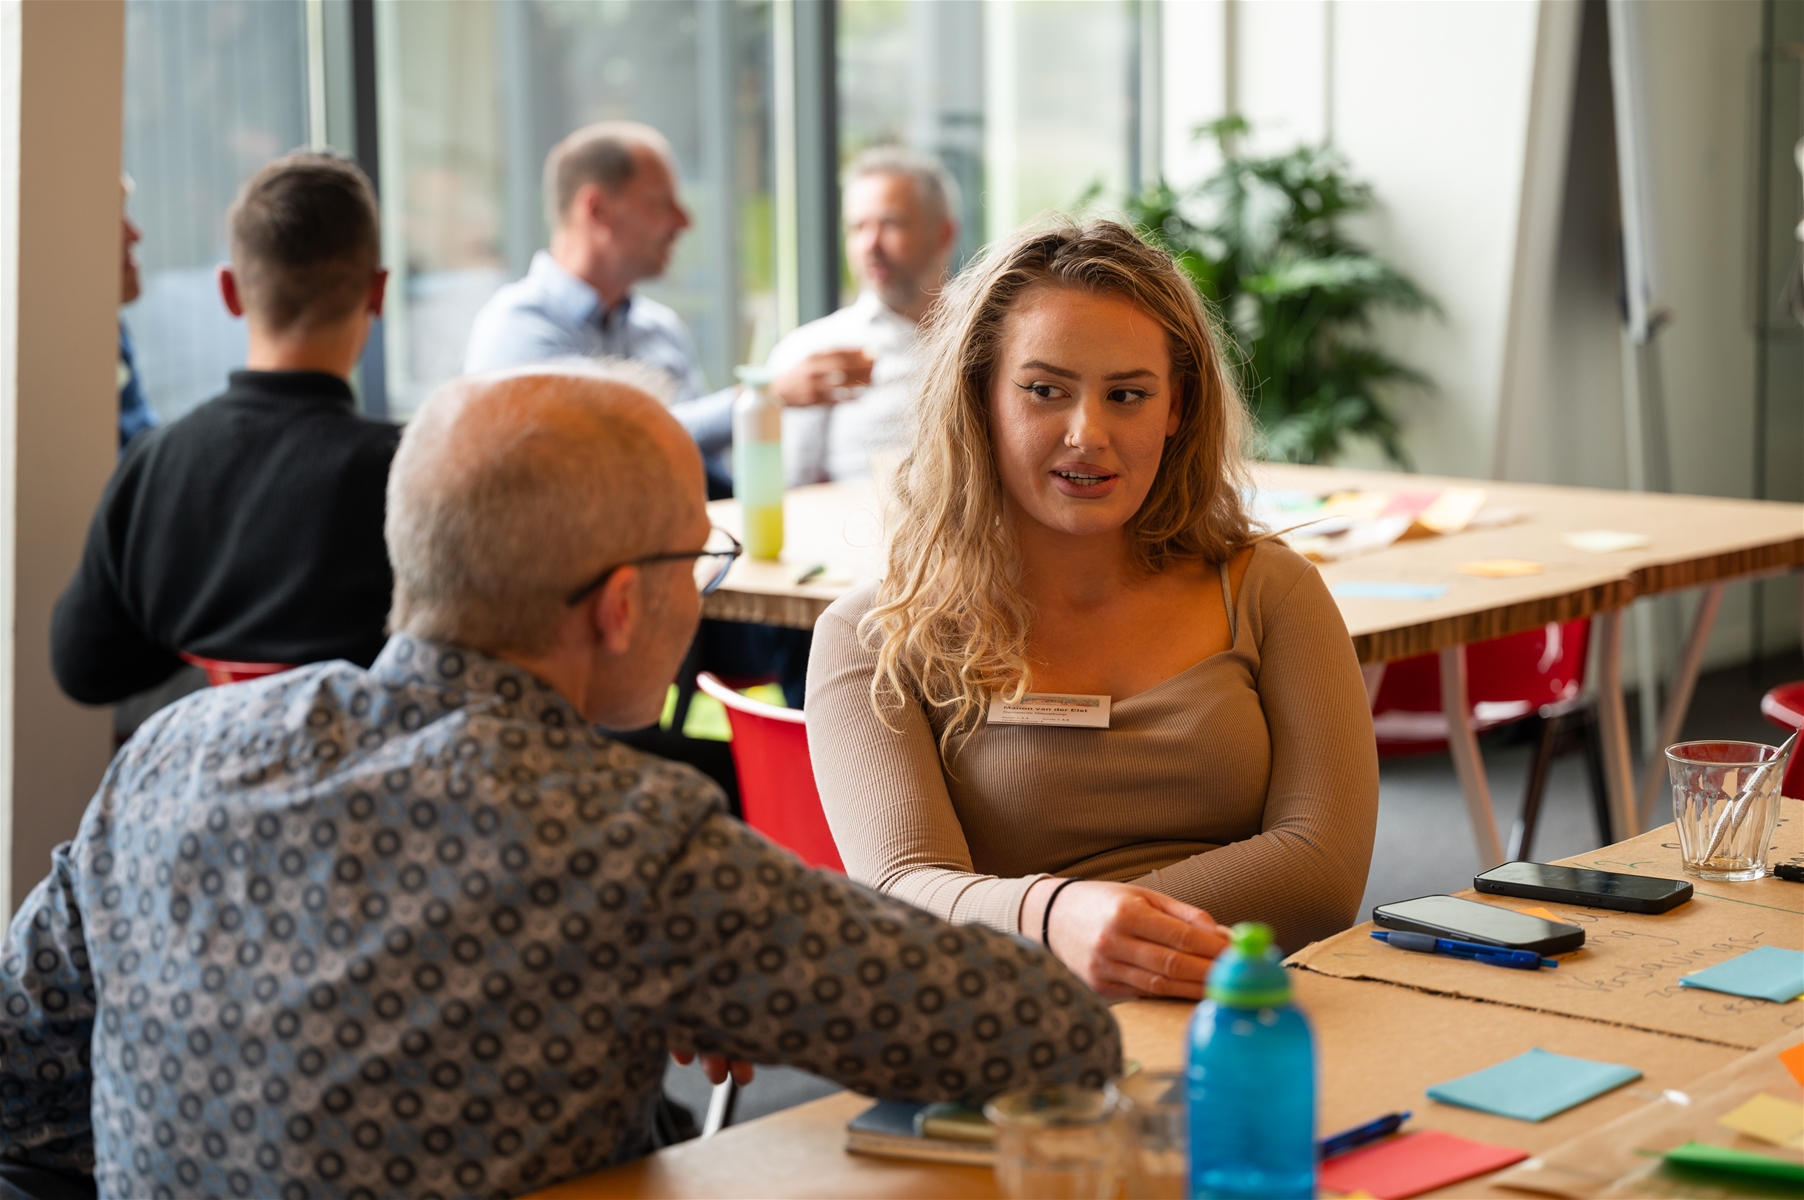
824,378
716,1068
1128,941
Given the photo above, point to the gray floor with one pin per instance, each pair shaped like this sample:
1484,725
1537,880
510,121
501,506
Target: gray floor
1424,843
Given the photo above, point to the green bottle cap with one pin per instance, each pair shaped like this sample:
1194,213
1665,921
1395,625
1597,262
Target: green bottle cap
1248,974
753,376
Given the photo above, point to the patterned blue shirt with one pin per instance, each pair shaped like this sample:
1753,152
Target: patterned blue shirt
550,314
419,930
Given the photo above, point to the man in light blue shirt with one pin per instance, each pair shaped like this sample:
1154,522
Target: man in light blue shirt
611,198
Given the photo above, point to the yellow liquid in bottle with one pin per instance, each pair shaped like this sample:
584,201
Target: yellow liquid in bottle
764,532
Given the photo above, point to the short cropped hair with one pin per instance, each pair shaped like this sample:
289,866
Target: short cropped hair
601,153
306,240
934,185
488,536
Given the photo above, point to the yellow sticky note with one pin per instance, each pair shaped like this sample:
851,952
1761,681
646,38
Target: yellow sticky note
1768,1118
1452,510
1502,568
1543,914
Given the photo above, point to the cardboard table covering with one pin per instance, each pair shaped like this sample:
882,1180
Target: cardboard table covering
1628,971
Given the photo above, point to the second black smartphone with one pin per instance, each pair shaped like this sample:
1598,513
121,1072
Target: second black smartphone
1470,921
1589,889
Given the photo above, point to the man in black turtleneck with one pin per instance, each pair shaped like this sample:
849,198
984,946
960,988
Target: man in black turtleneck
251,529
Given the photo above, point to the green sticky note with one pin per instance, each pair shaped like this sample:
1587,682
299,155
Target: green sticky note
1533,1086
1765,973
1721,1158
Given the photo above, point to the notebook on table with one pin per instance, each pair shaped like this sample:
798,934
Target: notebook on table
944,1133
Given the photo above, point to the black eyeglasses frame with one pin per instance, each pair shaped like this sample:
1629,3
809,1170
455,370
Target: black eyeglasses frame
728,557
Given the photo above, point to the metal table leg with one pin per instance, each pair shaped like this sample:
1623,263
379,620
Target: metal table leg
1678,701
1466,760
1613,724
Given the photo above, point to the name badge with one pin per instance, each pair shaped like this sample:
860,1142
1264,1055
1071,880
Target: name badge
1051,708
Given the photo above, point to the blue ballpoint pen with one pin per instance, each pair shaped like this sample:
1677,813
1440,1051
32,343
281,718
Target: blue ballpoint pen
1496,956
1361,1135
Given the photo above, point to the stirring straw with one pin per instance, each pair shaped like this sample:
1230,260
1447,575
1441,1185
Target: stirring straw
1728,823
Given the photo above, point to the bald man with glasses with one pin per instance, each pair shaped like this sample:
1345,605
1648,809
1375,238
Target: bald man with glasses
425,928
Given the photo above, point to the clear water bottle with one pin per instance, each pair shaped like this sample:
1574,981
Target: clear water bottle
758,462
1251,1079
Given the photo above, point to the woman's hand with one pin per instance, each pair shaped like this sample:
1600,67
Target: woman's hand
1127,941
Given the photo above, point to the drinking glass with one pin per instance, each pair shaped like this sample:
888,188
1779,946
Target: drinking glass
1155,1131
1723,833
1056,1143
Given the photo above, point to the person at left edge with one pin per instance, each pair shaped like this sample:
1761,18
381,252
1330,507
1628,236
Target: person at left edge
611,200
135,415
251,529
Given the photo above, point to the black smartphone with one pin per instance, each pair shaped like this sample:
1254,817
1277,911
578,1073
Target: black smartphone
1589,889
1470,921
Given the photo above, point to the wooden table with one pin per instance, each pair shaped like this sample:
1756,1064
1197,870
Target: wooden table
1380,1044
1695,541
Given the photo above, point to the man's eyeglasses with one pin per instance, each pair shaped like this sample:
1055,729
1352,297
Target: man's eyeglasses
711,566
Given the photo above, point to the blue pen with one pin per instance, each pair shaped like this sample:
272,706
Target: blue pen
1496,956
1360,1135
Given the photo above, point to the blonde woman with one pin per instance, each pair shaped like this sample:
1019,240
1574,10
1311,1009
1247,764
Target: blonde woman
1071,524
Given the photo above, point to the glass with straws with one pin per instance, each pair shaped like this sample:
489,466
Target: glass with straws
1725,799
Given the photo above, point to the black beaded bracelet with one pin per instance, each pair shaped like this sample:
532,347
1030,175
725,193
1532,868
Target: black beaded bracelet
1046,916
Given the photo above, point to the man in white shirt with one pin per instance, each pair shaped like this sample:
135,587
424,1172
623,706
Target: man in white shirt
847,376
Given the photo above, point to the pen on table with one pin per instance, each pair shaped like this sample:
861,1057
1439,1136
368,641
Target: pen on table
1789,871
1361,1135
1496,956
812,573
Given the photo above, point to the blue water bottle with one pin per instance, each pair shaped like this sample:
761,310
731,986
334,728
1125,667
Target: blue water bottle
1251,1079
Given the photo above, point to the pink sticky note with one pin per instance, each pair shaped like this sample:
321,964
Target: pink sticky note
1414,1163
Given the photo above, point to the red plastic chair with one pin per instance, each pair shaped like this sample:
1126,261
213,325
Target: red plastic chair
1784,707
1539,673
776,779
777,797
221,671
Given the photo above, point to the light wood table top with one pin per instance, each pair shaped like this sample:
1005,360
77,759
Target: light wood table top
1379,1045
1693,540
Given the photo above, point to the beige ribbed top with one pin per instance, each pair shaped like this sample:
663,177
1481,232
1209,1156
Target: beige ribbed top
1246,785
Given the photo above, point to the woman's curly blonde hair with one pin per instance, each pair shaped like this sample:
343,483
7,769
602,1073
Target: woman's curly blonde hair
950,624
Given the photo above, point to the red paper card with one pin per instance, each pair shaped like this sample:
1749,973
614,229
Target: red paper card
1413,1164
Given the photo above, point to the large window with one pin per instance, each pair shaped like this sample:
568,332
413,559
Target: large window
474,93
213,89
1030,105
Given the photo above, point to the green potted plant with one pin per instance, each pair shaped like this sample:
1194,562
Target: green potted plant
1261,239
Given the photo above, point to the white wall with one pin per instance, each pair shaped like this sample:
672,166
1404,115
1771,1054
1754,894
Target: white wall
61,74
1429,102
1461,116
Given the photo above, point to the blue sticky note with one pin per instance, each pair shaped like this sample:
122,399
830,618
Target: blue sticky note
1765,973
1533,1086
1370,590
